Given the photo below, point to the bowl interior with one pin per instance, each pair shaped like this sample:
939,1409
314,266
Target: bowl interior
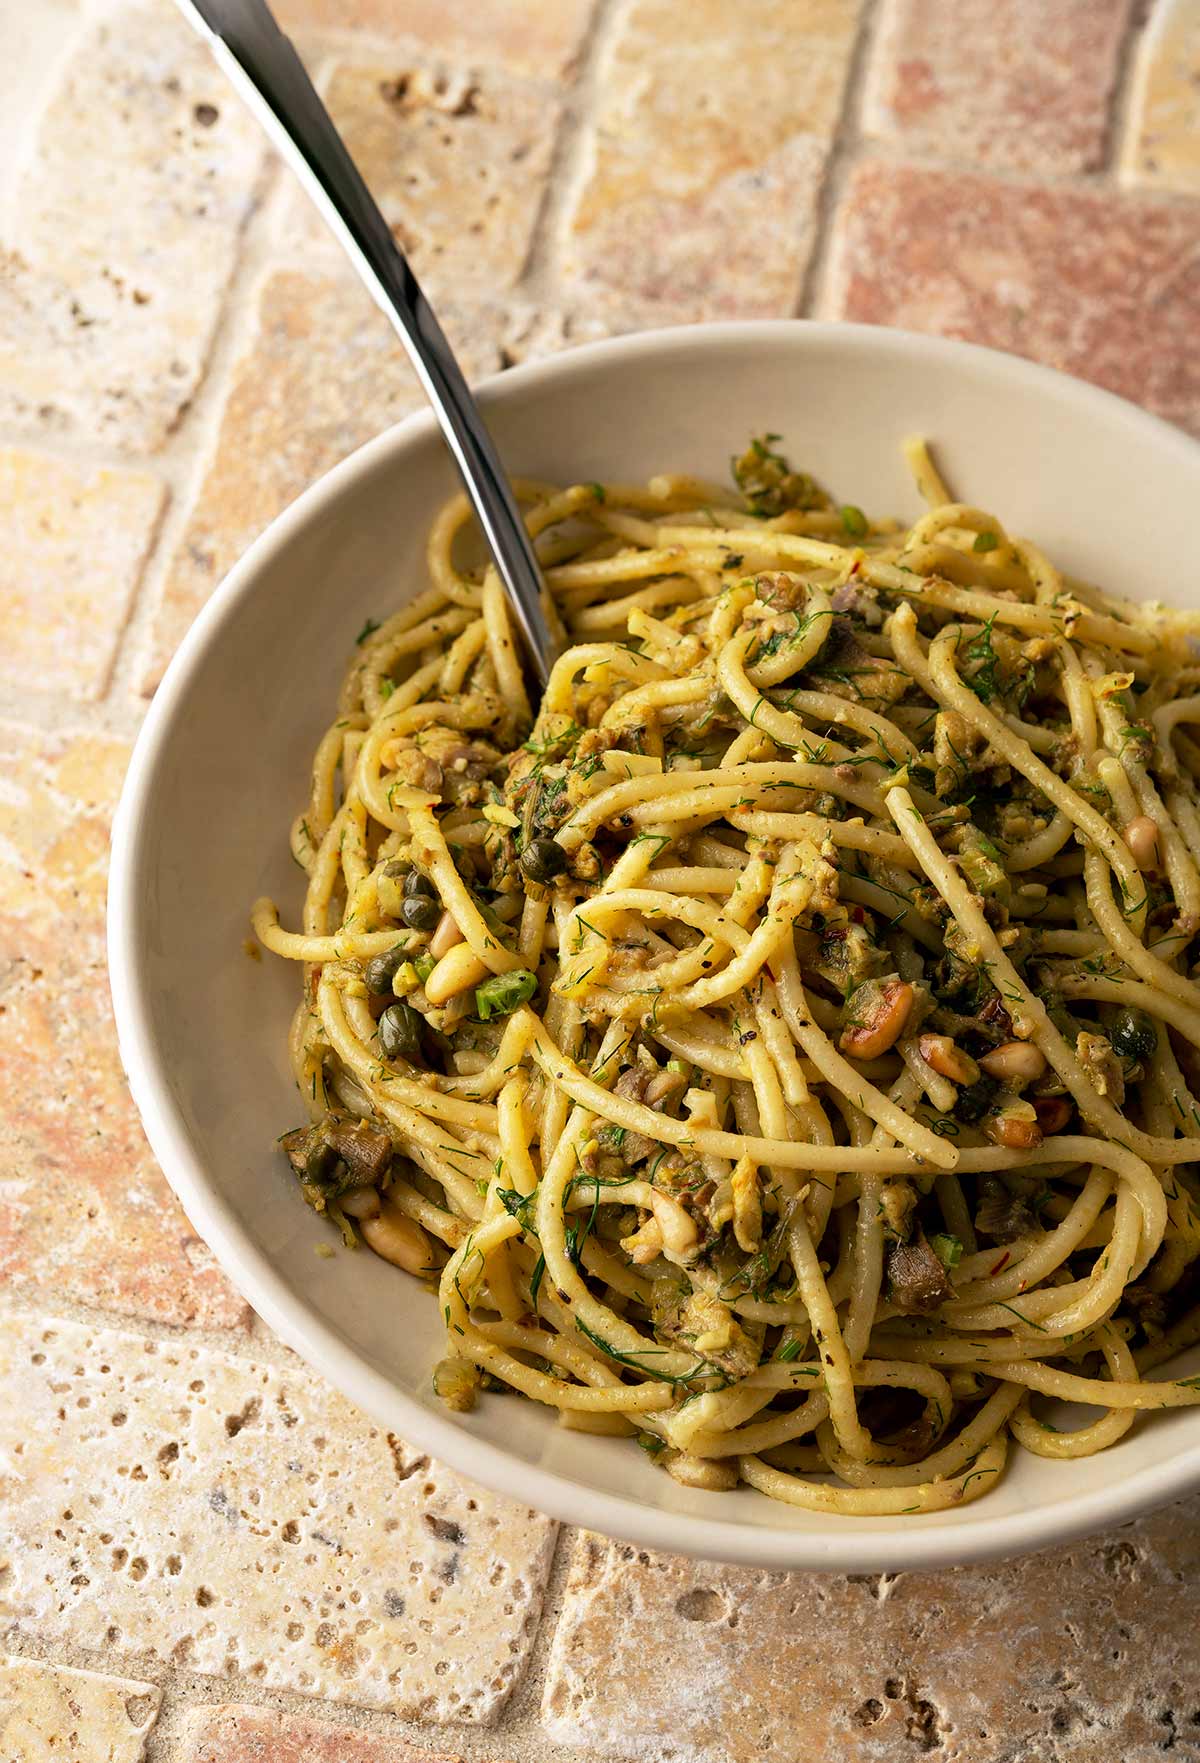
222,767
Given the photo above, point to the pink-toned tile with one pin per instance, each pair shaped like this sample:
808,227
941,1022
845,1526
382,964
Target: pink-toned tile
84,1211
1014,84
1100,285
236,1733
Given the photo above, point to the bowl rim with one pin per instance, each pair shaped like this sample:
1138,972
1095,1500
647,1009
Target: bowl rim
887,1547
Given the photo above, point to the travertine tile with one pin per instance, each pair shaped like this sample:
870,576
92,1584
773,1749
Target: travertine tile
31,53
323,373
710,136
1084,1653
240,1734
1162,140
166,1503
51,1715
457,162
1014,84
1100,285
84,1210
74,543
125,223
540,37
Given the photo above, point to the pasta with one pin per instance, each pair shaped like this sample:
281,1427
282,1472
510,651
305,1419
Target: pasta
780,1046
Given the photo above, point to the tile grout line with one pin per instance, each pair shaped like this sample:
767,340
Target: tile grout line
184,1691
178,466
1124,87
199,426
842,157
180,462
517,1726
542,275
523,1708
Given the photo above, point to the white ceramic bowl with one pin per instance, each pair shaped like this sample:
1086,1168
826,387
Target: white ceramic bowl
221,767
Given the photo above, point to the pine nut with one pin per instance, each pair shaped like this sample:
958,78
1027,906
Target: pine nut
700,1472
662,1086
1015,1062
747,1206
1013,1128
645,1244
1053,1113
459,968
360,1203
947,1059
398,1239
879,1020
446,935
1141,835
679,1233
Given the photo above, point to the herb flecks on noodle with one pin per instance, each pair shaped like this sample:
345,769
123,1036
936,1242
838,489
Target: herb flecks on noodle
781,1048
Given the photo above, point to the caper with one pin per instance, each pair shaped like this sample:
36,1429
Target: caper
975,1099
1133,1035
400,1032
381,970
311,1155
416,883
420,912
320,1163
543,859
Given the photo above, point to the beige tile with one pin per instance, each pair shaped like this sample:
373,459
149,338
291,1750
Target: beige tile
124,231
1082,1653
540,37
169,1504
31,54
322,373
75,540
457,162
1162,139
709,143
51,1715
84,1211
1014,84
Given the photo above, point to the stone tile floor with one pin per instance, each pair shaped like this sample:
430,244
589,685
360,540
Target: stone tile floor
187,1572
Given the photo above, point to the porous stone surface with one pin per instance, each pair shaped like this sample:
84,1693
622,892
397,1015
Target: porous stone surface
456,160
188,1513
108,302
1085,1652
239,1519
52,1715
